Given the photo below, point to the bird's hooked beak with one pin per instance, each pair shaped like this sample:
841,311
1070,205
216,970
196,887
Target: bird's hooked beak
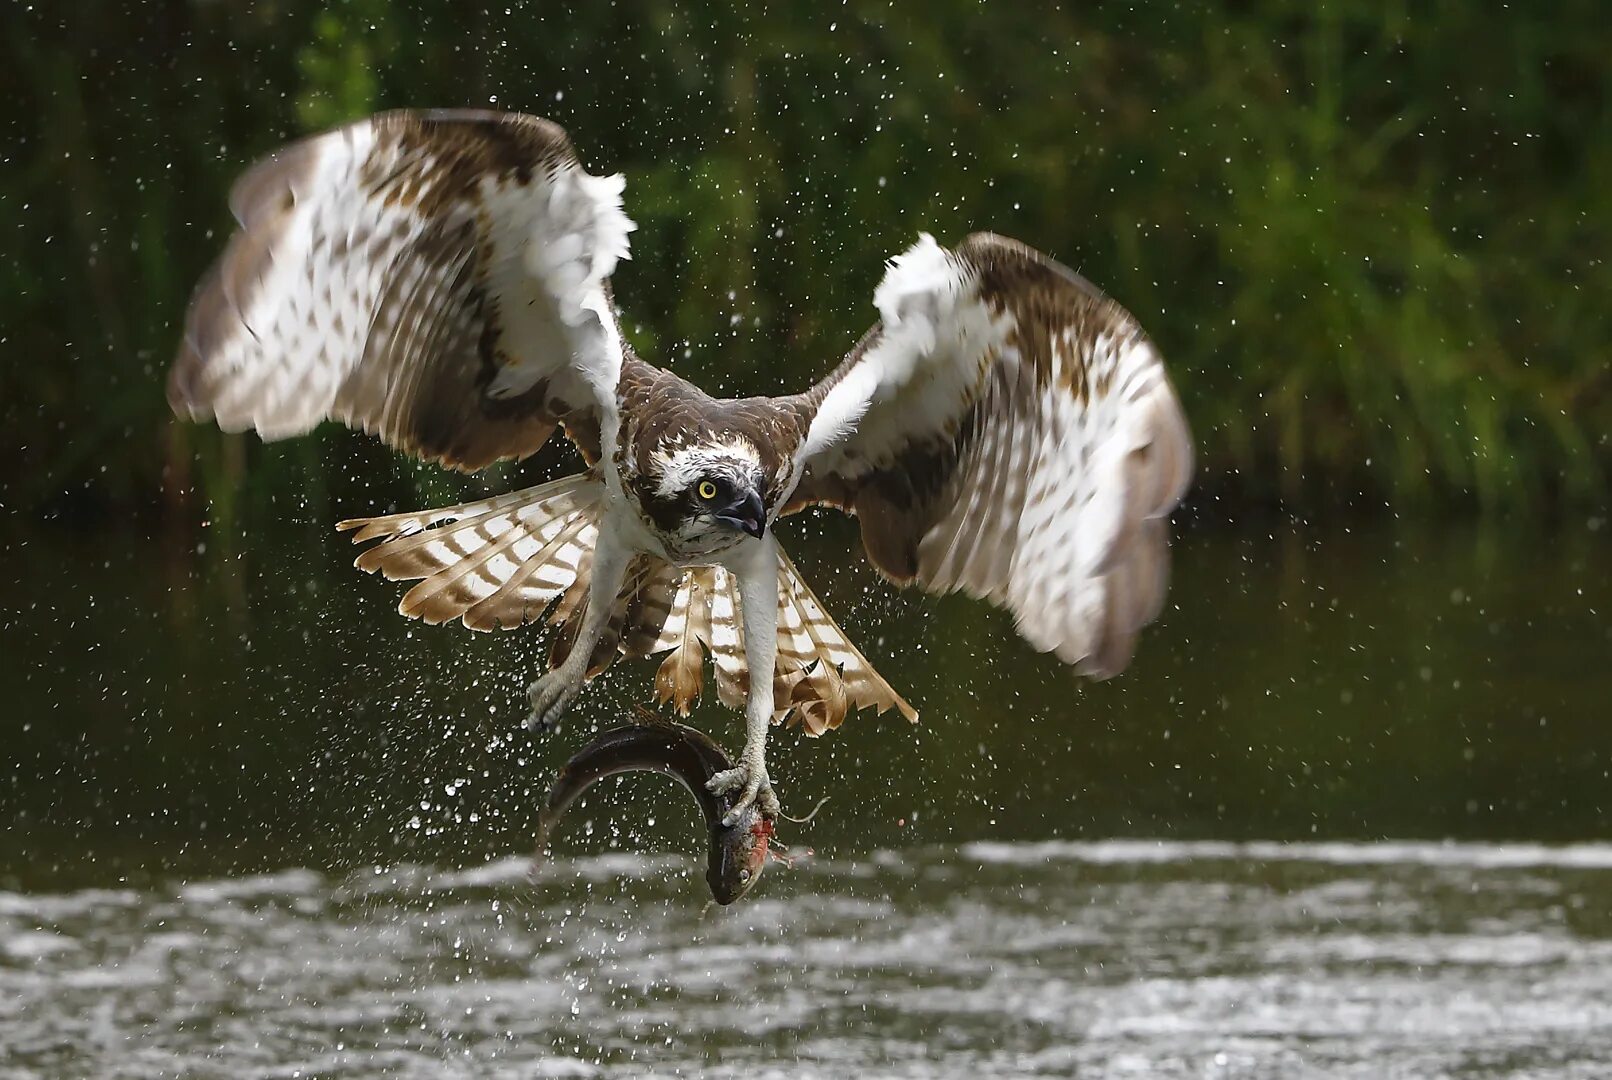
746,514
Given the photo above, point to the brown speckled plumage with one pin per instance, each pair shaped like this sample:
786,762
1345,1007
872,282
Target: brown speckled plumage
400,281
443,280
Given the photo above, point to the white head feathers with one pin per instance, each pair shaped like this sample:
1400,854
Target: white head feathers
680,466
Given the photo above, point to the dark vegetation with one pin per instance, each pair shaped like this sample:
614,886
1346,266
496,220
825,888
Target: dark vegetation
1371,238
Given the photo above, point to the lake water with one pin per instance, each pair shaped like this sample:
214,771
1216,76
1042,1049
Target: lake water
1123,958
1348,814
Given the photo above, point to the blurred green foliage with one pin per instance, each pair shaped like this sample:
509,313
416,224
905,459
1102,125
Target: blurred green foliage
1370,237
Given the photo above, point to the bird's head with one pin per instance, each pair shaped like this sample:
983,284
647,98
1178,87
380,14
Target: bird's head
709,492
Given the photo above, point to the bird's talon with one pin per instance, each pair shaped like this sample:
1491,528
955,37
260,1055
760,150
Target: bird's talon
769,803
755,784
725,781
550,696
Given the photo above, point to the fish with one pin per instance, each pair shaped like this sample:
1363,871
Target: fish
735,855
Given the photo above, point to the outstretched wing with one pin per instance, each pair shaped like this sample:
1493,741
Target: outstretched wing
1009,431
440,279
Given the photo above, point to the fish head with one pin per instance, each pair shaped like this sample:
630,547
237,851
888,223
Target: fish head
738,855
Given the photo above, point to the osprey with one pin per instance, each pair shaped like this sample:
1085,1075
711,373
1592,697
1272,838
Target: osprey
442,280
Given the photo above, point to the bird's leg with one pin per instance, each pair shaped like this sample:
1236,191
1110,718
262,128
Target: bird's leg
553,693
758,601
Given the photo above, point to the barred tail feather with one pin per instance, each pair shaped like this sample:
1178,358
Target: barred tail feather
685,631
502,562
819,676
572,610
727,639
494,563
837,674
649,608
548,573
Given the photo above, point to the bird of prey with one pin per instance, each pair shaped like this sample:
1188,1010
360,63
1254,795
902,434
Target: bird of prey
442,280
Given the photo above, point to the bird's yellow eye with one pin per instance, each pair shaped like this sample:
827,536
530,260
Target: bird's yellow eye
707,489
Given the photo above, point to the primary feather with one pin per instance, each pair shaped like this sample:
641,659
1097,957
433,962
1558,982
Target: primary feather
1015,437
439,279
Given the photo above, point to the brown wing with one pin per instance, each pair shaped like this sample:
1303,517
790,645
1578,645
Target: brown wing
437,278
1009,431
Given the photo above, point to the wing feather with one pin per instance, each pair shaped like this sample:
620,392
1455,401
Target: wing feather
837,670
495,563
1008,431
818,675
727,637
541,577
440,279
680,677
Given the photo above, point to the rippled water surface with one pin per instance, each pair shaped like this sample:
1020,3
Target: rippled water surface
1123,958
1347,815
